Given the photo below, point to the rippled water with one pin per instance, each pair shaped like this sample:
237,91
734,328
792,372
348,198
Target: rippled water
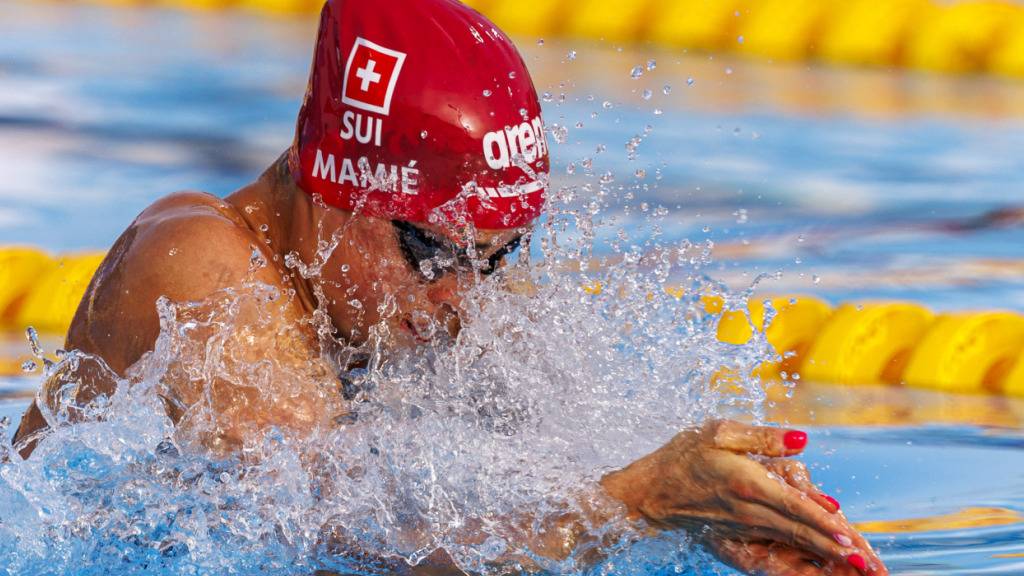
881,174
852,184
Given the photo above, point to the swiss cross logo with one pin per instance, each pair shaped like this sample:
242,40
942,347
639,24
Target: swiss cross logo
370,76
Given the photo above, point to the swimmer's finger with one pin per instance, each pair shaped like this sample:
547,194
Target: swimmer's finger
762,440
798,507
769,559
771,524
797,476
795,473
773,559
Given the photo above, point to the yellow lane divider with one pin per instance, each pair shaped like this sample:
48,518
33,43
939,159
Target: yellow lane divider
866,343
967,352
965,36
42,291
887,343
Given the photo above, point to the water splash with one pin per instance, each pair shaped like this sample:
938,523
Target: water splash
569,364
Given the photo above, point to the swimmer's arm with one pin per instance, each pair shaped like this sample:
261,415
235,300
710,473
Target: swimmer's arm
761,514
729,485
189,247
734,489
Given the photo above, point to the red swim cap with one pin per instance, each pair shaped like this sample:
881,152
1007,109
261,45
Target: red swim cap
420,110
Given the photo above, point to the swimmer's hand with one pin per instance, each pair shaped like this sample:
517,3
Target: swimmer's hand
730,485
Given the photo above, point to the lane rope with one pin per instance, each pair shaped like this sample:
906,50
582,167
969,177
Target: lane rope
958,37
882,343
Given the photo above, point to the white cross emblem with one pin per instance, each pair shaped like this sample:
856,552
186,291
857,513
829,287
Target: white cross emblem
370,84
368,76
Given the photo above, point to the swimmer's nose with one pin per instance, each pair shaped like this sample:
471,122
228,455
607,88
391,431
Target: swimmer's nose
450,319
448,303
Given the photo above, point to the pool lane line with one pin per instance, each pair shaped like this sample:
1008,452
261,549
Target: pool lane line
960,37
893,343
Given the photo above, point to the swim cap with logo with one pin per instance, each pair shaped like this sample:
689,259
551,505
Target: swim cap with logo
420,110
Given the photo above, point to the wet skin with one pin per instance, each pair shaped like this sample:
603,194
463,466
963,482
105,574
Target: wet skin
762,515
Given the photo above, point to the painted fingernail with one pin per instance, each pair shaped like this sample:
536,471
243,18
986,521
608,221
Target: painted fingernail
843,540
795,439
857,561
831,500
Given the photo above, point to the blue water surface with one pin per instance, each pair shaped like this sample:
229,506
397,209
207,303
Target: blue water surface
104,110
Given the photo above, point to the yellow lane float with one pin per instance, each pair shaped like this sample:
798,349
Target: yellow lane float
782,29
959,37
538,21
51,303
700,24
1014,383
966,36
610,20
967,352
797,321
866,343
869,32
879,343
20,271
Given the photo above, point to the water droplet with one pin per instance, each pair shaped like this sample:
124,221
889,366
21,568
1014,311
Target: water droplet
647,94
523,113
512,75
651,65
571,55
728,70
740,39
607,178
666,89
640,173
816,279
264,228
345,268
637,72
547,97
658,112
600,148
606,105
33,342
560,133
741,216
540,42
29,366
256,260
800,238
355,304
423,135
487,93
690,81
172,252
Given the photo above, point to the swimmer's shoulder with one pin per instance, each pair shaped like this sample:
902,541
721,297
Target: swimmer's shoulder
191,243
185,246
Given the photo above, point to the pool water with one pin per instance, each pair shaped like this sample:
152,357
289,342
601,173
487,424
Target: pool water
849,184
938,499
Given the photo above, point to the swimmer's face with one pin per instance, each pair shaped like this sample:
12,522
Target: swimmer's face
407,278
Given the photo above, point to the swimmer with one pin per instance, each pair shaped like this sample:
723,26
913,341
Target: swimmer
420,137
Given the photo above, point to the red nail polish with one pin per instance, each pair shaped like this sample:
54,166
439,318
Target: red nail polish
857,561
795,439
831,501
